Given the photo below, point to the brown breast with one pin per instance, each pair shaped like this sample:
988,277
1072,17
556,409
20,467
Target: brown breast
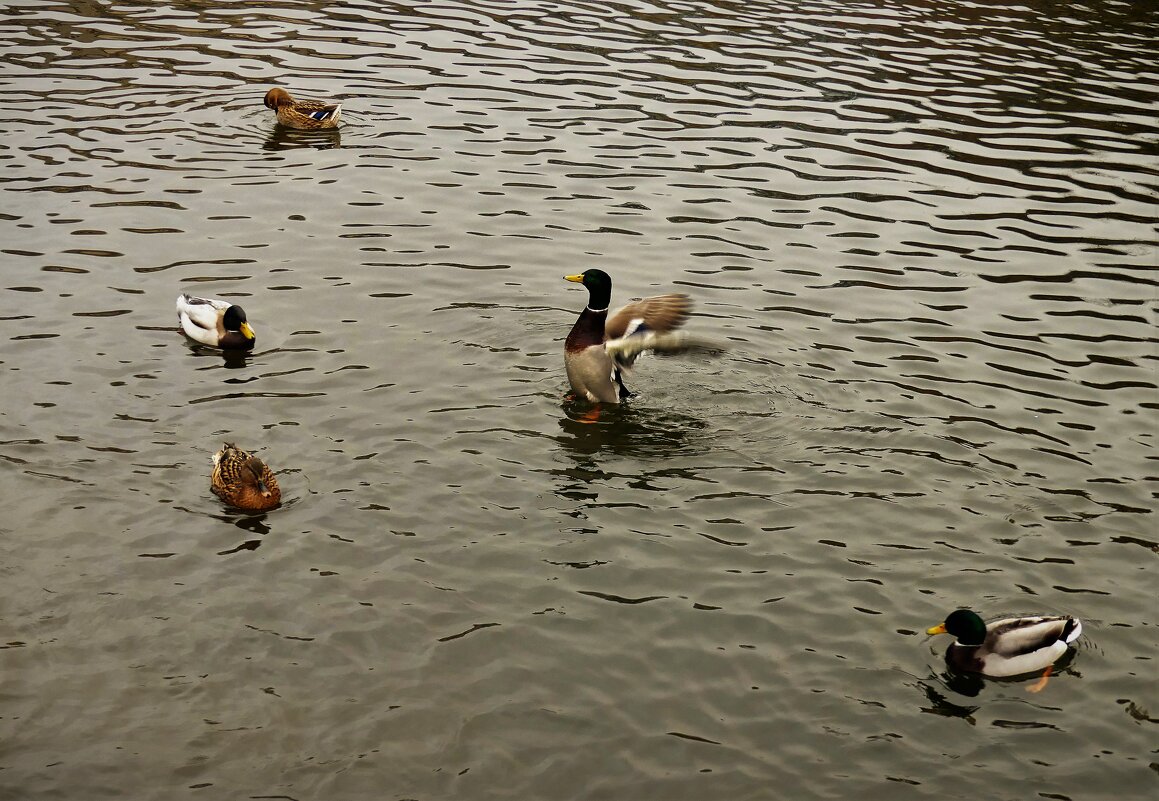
587,331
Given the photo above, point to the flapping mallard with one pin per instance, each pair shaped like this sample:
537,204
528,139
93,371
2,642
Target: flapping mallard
216,323
243,480
1008,647
600,349
307,115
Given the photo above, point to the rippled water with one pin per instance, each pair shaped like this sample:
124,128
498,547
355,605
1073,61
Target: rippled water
927,230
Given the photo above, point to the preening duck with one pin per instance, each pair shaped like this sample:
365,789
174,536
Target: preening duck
1007,647
243,480
307,115
216,323
601,348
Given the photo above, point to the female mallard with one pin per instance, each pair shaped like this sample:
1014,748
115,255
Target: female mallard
308,115
600,349
1008,647
243,480
214,322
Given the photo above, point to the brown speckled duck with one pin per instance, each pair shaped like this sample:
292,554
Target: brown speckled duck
601,348
306,115
243,480
1008,647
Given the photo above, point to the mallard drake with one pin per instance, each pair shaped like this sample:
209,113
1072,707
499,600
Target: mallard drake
216,323
243,480
1008,647
600,349
308,115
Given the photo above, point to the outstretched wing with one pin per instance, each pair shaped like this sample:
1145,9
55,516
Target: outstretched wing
624,350
660,313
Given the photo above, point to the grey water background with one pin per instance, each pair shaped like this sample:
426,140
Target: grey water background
926,229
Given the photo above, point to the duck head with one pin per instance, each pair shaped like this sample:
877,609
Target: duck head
599,286
234,320
966,626
278,97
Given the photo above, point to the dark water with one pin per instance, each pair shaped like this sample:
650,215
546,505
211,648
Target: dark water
927,230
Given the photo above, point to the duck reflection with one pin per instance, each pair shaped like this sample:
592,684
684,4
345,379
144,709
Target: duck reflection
623,431
235,359
970,685
283,138
253,524
941,705
967,684
246,545
230,359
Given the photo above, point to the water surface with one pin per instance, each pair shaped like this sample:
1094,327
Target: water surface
925,229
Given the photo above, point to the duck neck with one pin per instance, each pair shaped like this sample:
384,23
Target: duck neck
599,298
588,330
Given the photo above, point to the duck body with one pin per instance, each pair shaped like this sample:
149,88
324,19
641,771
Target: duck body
213,322
601,348
243,480
306,115
1007,647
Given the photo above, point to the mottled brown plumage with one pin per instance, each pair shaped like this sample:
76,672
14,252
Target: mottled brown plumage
243,480
306,115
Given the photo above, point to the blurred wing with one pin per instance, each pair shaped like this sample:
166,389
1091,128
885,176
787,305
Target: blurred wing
624,350
661,313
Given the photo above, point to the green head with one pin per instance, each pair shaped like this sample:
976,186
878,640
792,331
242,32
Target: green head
234,320
599,286
966,626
